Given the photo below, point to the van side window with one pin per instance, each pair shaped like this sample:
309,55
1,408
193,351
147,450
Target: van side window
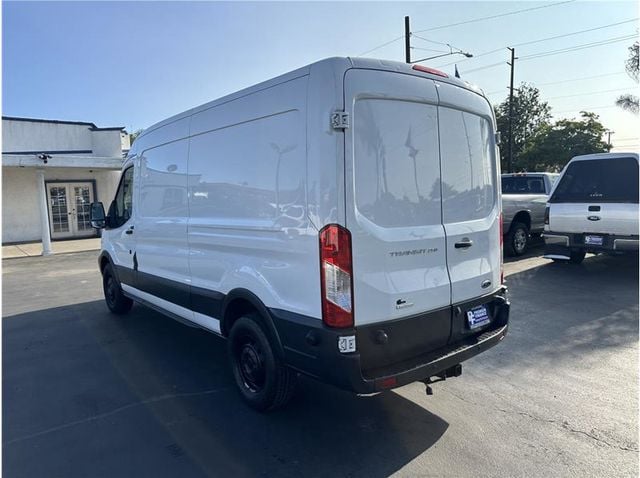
163,185
122,207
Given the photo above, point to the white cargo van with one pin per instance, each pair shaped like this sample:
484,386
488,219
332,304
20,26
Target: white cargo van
340,221
593,208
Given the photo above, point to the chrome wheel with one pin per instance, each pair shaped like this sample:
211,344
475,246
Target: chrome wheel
520,241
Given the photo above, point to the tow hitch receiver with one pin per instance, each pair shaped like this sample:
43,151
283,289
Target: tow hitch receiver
454,371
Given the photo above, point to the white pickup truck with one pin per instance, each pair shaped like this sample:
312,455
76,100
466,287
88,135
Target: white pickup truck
593,208
524,198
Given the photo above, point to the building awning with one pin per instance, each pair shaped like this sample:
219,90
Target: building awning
62,161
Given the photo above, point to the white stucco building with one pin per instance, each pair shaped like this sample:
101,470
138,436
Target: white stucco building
51,171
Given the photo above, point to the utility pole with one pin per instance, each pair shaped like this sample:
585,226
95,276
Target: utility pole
510,158
609,133
407,40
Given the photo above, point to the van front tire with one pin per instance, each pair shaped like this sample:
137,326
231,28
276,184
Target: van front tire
264,381
116,301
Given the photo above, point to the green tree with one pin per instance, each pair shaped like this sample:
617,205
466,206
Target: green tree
554,145
530,116
628,101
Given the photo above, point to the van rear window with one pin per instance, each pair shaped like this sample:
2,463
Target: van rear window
396,163
599,180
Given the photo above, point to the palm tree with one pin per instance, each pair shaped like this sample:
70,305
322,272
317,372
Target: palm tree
628,101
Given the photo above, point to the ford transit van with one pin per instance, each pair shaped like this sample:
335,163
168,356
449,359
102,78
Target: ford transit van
341,221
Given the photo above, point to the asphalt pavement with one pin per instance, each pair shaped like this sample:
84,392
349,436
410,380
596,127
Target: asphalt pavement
88,394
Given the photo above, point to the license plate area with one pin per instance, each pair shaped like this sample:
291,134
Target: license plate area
478,317
593,240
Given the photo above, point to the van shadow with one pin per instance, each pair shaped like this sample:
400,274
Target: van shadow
142,395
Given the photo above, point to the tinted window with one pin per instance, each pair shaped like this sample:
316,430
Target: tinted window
397,172
522,185
468,171
122,206
599,180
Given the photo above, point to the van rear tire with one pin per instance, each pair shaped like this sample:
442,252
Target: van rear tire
117,302
263,380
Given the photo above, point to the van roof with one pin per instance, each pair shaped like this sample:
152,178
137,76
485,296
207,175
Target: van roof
334,63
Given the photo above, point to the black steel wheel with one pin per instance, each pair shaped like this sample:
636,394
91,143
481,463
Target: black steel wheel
116,301
263,380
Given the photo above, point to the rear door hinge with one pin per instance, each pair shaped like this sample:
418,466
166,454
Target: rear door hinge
340,120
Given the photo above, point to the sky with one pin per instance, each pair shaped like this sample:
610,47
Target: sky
132,64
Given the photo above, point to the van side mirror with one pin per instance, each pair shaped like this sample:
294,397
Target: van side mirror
97,216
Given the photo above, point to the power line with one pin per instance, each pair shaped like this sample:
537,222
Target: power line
557,52
449,45
474,20
584,109
547,39
430,41
577,47
562,81
587,93
429,49
579,79
493,65
380,46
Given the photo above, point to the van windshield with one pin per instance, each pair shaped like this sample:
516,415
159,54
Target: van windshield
599,180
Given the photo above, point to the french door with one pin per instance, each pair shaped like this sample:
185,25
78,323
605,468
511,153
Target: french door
69,205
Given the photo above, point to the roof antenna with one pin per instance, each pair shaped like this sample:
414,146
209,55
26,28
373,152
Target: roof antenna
457,72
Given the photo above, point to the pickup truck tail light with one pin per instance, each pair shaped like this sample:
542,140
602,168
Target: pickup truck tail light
336,276
546,216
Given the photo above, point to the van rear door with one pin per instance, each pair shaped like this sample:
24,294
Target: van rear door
598,196
470,200
393,205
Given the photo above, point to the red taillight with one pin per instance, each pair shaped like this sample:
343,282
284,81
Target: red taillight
387,382
336,278
501,250
432,71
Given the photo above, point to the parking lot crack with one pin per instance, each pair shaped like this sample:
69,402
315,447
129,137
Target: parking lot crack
563,424
100,416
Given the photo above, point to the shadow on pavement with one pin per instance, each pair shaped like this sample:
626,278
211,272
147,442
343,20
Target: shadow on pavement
90,394
593,306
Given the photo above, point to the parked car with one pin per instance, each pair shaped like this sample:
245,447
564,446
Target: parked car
340,221
524,198
593,208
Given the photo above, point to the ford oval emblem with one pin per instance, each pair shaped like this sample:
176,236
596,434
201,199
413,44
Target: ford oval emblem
593,218
485,284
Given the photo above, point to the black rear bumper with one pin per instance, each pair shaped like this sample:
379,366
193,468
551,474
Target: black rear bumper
312,348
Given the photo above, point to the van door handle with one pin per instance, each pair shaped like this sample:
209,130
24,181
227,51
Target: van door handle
129,231
463,244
